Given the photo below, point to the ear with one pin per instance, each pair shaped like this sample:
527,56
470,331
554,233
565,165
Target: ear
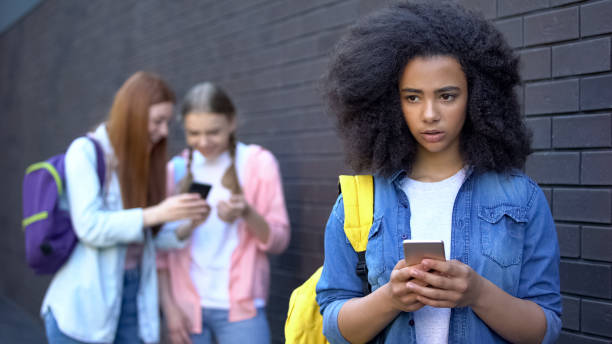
233,124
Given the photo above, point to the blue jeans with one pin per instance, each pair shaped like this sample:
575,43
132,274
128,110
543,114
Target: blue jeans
127,328
215,324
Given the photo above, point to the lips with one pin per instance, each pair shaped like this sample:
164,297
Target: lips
432,136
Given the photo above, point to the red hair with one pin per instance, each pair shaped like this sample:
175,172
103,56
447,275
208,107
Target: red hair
142,173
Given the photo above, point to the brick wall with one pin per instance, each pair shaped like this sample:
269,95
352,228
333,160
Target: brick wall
567,93
61,64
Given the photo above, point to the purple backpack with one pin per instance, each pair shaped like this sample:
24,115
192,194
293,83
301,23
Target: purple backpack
49,235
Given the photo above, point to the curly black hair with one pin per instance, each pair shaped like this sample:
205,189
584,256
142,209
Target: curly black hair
362,86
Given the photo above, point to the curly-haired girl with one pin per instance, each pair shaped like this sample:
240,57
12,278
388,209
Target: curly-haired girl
424,99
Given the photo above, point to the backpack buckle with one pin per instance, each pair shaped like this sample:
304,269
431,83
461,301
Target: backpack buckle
361,269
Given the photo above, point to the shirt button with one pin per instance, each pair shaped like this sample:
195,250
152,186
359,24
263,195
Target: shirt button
460,223
404,236
411,322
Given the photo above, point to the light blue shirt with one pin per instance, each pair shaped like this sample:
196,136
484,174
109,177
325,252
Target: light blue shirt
501,227
85,293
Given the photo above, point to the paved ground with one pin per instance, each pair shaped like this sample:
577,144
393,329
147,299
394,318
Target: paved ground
17,326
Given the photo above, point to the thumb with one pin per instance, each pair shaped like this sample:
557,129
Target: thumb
400,264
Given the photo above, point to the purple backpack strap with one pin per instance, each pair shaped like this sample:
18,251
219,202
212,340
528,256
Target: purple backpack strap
101,166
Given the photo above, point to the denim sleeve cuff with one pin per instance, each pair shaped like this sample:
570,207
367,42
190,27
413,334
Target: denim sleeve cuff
330,322
553,326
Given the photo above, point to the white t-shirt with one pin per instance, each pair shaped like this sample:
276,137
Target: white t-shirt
214,241
431,211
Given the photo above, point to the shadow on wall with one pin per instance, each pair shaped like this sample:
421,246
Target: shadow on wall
18,326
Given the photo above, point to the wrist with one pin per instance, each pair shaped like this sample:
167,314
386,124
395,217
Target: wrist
387,298
391,308
481,294
150,216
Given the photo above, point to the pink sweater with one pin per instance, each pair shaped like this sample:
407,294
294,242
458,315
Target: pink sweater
250,269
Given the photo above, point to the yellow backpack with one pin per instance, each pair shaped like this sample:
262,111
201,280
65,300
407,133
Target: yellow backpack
304,324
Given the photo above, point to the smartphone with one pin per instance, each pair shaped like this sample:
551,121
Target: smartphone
201,188
416,250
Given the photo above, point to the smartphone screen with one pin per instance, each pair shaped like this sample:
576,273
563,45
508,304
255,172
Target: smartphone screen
201,188
417,250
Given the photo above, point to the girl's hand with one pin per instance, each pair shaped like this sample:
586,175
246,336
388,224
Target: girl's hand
185,231
177,207
177,324
232,209
449,284
402,298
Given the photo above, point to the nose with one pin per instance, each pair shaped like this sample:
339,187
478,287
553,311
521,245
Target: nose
163,130
430,113
202,141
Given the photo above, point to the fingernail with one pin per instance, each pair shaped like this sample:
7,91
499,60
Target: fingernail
410,285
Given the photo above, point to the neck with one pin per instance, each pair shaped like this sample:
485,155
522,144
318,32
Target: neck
434,167
211,158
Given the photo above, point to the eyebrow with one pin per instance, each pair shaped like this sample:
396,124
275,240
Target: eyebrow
440,90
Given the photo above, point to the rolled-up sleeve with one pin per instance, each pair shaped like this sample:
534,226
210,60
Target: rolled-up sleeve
331,331
92,224
339,282
539,281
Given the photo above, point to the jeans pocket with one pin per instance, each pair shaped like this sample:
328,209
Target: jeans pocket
502,232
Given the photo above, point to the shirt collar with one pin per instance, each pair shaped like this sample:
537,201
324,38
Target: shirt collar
397,176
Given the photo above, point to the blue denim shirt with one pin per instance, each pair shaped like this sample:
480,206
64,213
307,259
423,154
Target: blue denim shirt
501,227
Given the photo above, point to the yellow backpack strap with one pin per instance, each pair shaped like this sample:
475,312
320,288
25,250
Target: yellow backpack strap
358,199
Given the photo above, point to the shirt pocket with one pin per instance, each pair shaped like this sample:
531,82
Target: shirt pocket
374,254
502,232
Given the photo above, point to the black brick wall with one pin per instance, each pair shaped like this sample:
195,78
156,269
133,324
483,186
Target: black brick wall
61,64
566,68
